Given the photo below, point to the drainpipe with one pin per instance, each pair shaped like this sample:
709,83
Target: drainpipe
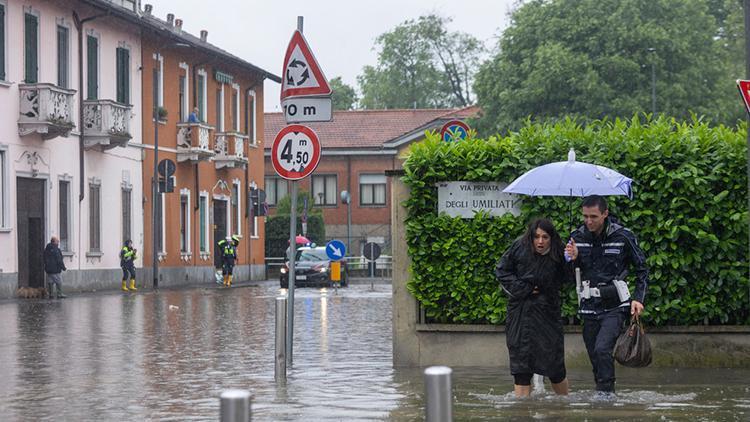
81,127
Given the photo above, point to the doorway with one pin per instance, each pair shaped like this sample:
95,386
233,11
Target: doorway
220,228
30,199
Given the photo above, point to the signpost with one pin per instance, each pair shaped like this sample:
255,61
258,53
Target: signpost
454,131
305,97
305,92
335,249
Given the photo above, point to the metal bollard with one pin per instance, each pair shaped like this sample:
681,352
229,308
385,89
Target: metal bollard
235,406
439,394
279,372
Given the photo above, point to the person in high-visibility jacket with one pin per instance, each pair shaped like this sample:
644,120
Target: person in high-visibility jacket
228,249
128,254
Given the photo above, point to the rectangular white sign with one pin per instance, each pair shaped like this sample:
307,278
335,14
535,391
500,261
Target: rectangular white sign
307,109
462,199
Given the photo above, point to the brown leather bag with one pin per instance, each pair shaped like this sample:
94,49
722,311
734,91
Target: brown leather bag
633,349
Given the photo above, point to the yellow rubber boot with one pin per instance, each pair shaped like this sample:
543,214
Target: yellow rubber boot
125,286
229,280
132,285
225,280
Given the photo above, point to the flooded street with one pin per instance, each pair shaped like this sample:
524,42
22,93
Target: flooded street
168,356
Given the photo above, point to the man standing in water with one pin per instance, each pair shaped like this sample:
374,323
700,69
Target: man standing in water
604,250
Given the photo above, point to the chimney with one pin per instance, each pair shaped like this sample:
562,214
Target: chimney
204,35
148,8
178,24
170,18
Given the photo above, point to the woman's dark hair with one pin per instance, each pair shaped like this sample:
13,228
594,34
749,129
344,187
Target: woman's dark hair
127,242
555,245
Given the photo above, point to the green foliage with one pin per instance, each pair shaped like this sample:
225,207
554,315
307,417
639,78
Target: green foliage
421,65
590,59
689,212
344,97
277,226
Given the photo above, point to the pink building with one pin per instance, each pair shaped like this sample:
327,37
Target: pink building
54,180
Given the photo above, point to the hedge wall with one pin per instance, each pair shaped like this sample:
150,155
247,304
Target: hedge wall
689,212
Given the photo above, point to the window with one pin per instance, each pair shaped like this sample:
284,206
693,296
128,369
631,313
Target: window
63,58
64,203
250,116
92,67
185,221
95,218
31,48
3,189
183,109
372,189
126,215
236,110
203,210
236,216
220,109
2,46
324,190
155,90
202,93
276,190
123,75
160,221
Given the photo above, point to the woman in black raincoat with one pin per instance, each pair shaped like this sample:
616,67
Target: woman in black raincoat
531,272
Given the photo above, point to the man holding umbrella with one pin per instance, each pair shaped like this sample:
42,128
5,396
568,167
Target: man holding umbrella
604,251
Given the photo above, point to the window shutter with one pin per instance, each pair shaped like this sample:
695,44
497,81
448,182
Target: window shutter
123,76
62,56
2,42
91,68
30,26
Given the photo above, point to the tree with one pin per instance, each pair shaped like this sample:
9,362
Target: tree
592,59
421,65
344,97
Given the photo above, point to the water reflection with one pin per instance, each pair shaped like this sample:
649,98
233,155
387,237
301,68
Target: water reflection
168,355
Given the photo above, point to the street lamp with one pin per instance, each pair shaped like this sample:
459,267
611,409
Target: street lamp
155,178
653,83
346,198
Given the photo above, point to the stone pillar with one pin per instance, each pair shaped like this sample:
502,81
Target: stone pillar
405,308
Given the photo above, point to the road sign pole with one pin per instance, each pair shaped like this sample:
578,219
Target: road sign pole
292,277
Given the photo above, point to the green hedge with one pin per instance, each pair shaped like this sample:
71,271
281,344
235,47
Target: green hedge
277,226
689,213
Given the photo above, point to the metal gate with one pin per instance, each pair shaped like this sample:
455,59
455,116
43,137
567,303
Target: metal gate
30,199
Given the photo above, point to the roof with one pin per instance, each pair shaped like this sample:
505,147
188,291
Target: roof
164,29
368,129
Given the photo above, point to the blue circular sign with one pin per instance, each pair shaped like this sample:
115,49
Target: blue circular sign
335,249
454,130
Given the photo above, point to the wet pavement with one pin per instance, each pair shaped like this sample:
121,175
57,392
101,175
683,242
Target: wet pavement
168,355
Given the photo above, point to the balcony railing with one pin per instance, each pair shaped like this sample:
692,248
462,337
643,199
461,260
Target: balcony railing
106,123
193,142
227,157
46,109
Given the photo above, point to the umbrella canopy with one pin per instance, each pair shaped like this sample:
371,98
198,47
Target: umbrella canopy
302,240
571,178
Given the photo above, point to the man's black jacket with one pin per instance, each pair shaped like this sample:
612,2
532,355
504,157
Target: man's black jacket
53,259
607,257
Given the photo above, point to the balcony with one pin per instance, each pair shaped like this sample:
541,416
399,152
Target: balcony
106,123
46,109
230,150
193,141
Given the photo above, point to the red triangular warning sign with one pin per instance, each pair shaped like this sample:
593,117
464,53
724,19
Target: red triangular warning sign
744,87
301,75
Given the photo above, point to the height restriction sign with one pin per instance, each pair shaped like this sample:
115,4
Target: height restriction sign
295,152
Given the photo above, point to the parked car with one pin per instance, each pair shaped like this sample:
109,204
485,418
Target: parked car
312,267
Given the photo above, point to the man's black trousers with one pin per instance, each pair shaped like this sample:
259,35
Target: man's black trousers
600,333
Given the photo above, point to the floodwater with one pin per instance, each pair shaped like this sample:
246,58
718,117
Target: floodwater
167,355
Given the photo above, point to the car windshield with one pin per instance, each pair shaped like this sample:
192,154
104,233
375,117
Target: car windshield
312,255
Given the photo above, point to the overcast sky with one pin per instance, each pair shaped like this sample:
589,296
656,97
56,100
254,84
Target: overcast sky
341,33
